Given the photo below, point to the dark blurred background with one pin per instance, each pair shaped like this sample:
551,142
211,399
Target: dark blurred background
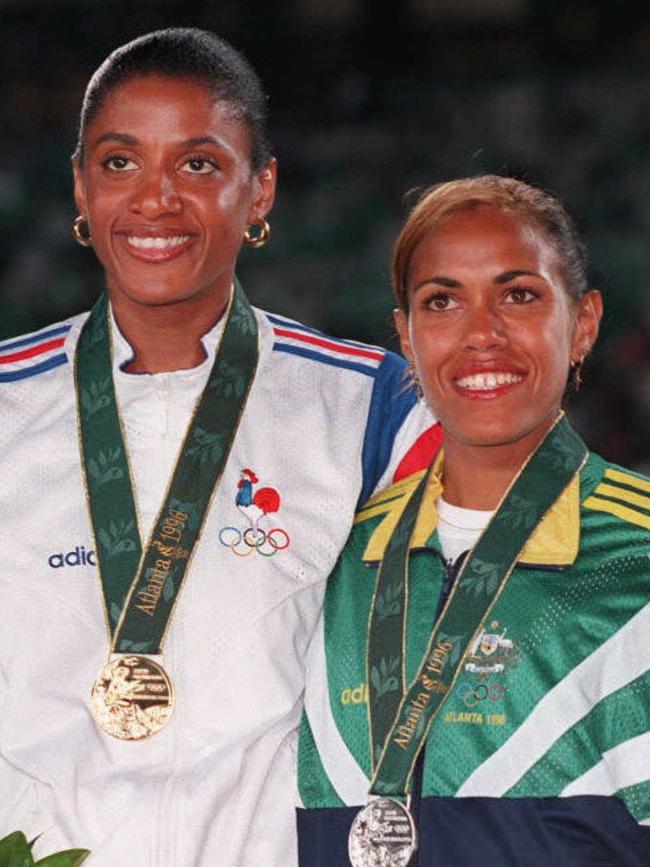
369,99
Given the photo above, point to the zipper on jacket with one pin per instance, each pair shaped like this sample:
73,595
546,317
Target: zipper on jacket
452,568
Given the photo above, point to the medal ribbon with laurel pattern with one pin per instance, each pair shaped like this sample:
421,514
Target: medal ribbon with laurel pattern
141,586
400,718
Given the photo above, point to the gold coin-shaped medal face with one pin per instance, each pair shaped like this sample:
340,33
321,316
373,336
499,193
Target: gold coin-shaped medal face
132,698
382,835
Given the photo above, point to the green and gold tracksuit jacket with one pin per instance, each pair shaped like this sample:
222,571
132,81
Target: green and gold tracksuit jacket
540,754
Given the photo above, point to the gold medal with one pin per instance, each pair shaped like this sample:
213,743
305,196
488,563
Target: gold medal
132,698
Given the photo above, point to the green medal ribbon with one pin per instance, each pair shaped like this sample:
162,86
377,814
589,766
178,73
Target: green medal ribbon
400,718
141,587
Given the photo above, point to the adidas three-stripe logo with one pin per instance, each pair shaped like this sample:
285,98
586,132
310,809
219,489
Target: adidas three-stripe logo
623,495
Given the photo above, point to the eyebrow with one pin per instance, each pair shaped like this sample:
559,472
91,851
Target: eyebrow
121,137
199,140
507,276
448,283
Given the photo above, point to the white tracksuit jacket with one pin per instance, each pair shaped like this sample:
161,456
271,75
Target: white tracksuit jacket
325,423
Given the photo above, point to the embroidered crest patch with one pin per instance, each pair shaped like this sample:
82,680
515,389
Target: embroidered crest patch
484,683
258,534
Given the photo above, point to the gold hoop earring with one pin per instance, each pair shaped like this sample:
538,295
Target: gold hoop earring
576,373
260,237
77,232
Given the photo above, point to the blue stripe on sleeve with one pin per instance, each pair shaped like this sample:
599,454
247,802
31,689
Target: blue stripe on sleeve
26,372
393,397
41,337
298,326
326,359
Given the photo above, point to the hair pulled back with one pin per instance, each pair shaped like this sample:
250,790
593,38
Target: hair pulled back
537,208
186,53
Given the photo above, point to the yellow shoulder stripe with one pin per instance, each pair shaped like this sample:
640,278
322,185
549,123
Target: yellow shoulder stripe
620,511
623,494
388,495
627,479
379,509
629,503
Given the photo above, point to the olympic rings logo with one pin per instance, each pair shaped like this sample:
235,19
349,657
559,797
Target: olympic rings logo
471,696
244,543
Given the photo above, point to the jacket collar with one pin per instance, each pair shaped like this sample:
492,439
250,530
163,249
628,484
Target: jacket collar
554,543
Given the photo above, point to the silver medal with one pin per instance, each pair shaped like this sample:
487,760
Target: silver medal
382,835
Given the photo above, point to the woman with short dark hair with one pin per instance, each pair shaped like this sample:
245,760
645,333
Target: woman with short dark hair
175,439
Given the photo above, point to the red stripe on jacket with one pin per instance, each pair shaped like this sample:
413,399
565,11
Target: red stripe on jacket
31,351
327,344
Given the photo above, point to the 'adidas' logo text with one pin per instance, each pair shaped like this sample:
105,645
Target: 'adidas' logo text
77,557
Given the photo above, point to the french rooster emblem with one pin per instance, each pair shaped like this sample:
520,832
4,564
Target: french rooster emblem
256,505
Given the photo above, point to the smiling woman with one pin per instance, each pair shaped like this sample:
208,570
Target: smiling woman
165,177
182,441
493,609
493,330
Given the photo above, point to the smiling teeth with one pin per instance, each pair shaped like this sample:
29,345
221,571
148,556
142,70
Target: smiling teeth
157,243
487,381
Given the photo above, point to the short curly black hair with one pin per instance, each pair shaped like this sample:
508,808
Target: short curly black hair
188,53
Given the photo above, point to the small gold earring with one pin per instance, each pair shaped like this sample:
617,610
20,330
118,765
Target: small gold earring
576,373
78,232
261,235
